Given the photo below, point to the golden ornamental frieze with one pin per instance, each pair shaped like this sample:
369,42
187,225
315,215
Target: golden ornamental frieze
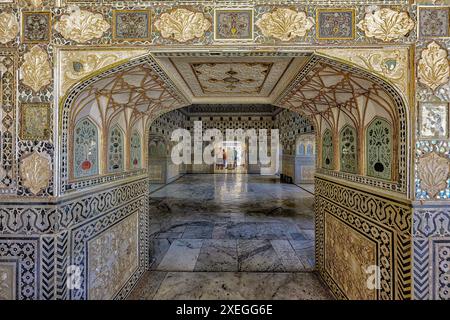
386,24
433,67
35,171
81,25
285,24
391,64
31,3
433,173
36,71
9,27
182,25
75,65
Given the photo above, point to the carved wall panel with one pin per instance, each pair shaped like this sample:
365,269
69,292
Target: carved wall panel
380,230
113,258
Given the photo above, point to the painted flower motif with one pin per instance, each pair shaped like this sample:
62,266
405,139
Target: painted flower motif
285,24
182,25
386,24
81,25
9,27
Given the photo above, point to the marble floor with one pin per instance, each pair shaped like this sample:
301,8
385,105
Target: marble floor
224,236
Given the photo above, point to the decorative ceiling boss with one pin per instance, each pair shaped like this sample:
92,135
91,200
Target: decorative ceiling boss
35,171
182,25
433,67
9,27
81,26
36,70
285,24
386,24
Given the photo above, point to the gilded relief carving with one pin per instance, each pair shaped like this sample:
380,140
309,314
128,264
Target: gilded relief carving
9,27
81,25
386,24
389,63
182,25
35,171
113,258
285,24
433,67
347,256
36,70
433,172
78,64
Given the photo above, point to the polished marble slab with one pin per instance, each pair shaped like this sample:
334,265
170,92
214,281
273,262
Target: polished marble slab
230,285
244,211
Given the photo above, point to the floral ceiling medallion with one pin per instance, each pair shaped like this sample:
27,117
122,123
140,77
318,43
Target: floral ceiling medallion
9,27
35,171
81,25
182,25
433,172
433,67
386,24
36,70
285,24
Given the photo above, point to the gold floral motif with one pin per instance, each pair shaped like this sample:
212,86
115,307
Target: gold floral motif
433,66
433,173
348,254
389,63
78,64
386,24
285,24
9,27
81,25
31,3
35,171
182,25
36,70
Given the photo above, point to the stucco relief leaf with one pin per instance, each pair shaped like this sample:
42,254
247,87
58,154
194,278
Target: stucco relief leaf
81,25
182,25
386,24
35,171
433,67
36,70
433,173
285,24
9,27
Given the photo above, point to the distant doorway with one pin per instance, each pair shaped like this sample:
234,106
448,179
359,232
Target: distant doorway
230,157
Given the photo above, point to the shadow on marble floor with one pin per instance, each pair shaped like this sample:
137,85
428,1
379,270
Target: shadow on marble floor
237,228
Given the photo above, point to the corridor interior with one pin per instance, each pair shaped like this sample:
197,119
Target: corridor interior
231,236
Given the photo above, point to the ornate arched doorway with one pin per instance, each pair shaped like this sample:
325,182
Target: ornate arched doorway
361,178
